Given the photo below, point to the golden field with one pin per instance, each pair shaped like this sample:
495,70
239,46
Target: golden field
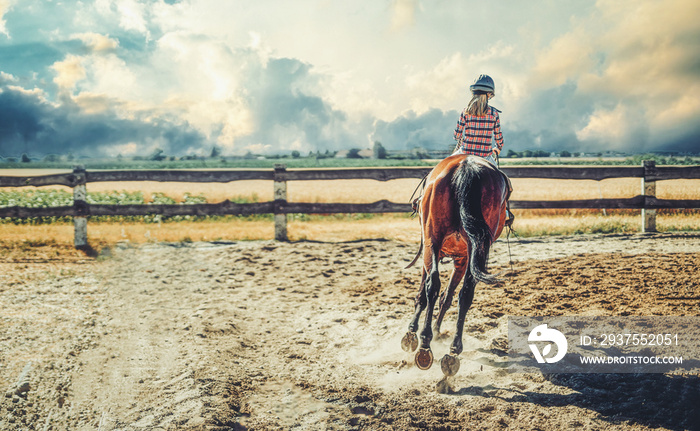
351,227
357,191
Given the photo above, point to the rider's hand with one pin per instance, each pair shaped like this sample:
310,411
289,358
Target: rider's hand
496,151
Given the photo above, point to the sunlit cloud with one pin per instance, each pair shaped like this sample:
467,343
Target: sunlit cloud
131,14
606,125
69,72
92,103
447,84
6,78
566,58
4,7
403,13
97,42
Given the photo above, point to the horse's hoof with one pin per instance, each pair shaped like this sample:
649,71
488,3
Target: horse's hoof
424,359
449,365
409,343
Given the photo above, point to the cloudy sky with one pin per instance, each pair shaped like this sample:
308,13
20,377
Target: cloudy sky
109,77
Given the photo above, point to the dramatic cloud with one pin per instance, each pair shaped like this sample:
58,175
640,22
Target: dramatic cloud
236,99
30,124
635,69
126,76
431,130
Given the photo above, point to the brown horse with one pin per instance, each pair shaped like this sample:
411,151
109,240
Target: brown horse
462,211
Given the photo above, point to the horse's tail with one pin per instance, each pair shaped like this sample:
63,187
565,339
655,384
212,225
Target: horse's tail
466,186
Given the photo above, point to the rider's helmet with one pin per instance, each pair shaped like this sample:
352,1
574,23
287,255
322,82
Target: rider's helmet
483,83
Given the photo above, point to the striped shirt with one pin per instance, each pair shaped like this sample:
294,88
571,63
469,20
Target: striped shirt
473,134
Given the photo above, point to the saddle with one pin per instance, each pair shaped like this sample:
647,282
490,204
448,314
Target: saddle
415,203
488,164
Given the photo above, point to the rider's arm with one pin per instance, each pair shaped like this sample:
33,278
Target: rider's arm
459,131
498,135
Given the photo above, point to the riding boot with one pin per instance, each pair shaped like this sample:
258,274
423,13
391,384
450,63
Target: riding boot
415,204
509,216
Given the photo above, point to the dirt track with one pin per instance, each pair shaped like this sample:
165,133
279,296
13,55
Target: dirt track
265,335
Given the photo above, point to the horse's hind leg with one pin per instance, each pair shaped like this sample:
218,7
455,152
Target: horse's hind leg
424,356
409,343
450,363
446,298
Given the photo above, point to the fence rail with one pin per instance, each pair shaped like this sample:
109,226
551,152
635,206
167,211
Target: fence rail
652,173
649,173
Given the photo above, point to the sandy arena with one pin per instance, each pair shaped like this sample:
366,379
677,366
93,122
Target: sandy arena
266,335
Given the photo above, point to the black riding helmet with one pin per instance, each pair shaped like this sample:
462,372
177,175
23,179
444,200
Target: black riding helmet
483,83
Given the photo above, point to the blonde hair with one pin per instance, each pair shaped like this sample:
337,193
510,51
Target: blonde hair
479,104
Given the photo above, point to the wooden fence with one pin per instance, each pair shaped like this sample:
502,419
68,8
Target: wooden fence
280,207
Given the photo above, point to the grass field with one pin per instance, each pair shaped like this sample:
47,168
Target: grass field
357,226
332,162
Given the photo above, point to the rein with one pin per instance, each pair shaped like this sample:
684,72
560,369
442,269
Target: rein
509,229
414,202
510,256
416,206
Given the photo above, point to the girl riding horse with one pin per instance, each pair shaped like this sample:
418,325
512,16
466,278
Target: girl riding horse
463,210
478,130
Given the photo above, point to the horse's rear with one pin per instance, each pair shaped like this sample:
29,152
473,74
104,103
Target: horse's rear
451,183
463,210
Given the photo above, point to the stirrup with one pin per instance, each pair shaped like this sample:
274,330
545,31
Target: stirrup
510,217
415,205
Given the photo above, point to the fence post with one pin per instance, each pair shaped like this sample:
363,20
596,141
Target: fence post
80,206
648,190
280,197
